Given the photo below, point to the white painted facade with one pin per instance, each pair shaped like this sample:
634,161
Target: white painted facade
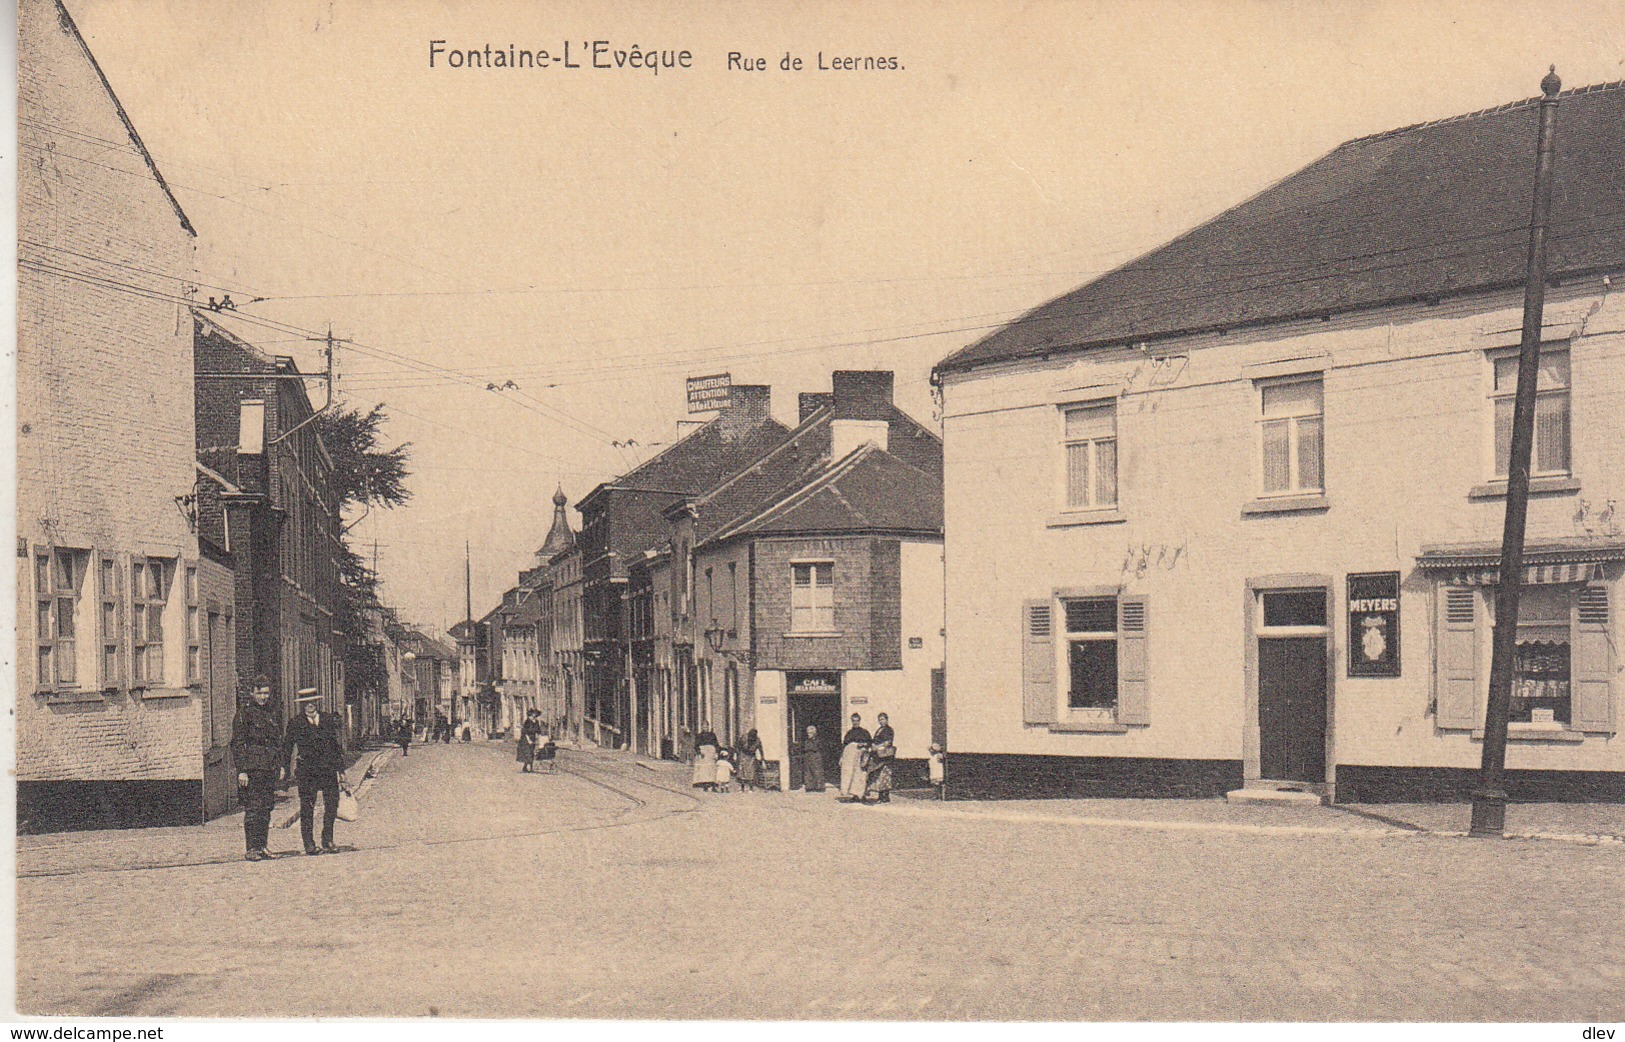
1408,451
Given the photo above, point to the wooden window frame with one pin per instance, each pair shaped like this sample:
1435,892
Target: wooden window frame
805,619
1496,396
1293,420
193,624
141,616
112,625
1093,443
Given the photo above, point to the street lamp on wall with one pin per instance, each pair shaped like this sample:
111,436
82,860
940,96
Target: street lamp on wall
714,637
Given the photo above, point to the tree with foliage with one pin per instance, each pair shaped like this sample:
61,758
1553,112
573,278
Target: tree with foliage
367,476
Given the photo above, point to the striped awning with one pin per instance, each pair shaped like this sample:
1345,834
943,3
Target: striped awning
1533,575
1546,563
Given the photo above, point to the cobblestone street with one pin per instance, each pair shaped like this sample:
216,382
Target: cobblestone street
610,890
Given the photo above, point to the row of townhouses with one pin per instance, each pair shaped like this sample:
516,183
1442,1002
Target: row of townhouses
1226,518
752,576
177,521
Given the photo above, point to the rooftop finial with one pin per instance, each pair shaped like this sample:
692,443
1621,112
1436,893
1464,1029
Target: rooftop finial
1550,85
558,496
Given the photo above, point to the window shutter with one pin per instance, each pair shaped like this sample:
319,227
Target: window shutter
1593,707
1133,687
1038,662
1455,677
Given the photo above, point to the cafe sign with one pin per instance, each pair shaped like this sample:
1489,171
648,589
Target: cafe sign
1373,609
813,683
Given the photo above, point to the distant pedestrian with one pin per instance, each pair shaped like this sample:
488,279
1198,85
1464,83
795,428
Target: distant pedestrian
725,771
937,768
546,750
528,731
748,761
812,761
314,737
882,755
256,749
468,734
403,735
855,743
704,775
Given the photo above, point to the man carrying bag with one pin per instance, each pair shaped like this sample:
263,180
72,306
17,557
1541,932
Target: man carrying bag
314,735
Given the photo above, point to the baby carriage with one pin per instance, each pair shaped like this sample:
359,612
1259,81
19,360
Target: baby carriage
545,751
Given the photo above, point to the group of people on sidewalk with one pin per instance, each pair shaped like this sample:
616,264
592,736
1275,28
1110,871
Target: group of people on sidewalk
716,769
310,752
867,762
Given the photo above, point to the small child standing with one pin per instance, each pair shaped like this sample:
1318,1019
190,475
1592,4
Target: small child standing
725,772
938,772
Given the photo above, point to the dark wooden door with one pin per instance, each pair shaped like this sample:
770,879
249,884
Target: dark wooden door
1292,708
824,713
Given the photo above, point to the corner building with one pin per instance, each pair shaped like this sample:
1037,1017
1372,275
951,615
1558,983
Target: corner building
1230,515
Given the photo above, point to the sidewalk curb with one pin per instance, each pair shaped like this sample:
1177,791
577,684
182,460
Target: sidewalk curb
1029,817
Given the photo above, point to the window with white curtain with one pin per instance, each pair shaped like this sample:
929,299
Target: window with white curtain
1291,424
1551,449
1089,440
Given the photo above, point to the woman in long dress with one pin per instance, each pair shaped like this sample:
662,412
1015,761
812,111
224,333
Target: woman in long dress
526,754
748,762
812,761
854,781
881,755
705,761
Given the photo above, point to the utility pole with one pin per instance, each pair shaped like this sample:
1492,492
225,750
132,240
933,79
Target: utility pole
1490,798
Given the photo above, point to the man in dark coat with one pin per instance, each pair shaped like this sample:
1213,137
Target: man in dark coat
315,736
256,749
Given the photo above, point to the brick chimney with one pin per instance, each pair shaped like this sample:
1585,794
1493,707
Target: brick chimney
862,410
749,406
812,401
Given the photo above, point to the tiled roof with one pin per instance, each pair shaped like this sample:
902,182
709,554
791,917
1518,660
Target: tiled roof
1411,214
702,460
799,459
868,490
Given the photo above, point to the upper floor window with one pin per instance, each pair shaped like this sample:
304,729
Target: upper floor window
1551,450
733,597
1291,421
1089,438
812,597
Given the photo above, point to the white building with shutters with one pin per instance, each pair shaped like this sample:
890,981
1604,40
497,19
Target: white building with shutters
1230,515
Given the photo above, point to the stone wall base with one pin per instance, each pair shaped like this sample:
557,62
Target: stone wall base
70,806
1360,784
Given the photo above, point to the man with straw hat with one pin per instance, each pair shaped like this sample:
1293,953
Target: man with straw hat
315,736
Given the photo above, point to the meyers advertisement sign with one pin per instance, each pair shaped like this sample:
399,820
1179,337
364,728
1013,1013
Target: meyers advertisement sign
1374,624
709,393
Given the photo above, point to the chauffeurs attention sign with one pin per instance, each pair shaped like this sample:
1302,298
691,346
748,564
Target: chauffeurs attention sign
1373,640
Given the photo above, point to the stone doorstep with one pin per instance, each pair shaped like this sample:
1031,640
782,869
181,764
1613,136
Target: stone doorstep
1275,792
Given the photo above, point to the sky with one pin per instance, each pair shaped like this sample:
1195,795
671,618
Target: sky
594,236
